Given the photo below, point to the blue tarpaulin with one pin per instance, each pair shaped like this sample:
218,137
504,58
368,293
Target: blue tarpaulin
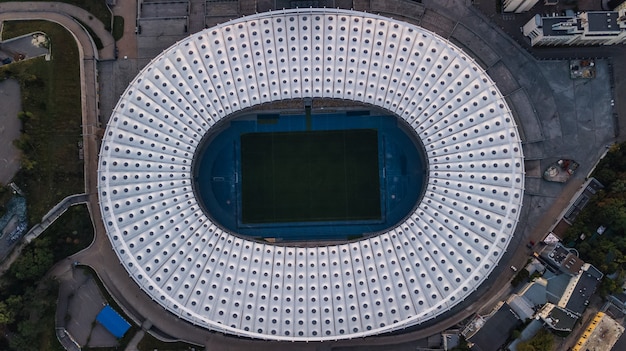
112,321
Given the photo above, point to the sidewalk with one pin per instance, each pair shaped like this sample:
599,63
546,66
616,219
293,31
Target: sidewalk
127,45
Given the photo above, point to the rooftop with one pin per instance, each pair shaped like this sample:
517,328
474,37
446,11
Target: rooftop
521,306
557,284
603,21
386,282
531,329
536,292
112,321
559,25
585,287
561,319
601,334
496,331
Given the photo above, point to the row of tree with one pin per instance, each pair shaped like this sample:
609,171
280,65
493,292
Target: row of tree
607,208
27,296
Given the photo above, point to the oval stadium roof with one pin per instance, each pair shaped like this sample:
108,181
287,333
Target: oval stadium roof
407,275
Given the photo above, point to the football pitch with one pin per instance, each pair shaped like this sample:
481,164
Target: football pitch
315,176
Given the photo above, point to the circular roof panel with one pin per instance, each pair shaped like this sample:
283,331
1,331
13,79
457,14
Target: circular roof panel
409,274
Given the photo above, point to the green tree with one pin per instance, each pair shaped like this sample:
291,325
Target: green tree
23,142
26,337
34,261
10,309
611,210
606,176
542,341
521,277
6,314
27,164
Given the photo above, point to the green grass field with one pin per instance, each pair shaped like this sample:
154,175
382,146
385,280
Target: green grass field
51,93
310,176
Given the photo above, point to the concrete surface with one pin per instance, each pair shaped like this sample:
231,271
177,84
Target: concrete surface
113,78
22,45
80,301
127,45
132,344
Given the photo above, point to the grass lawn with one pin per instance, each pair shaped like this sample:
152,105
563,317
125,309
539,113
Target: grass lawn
310,176
71,233
51,169
118,27
98,8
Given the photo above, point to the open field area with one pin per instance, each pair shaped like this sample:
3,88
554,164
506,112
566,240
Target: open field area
51,130
310,176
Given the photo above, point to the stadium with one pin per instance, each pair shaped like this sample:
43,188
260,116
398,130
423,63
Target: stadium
398,87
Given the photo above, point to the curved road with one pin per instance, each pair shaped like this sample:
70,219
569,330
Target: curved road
47,10
137,304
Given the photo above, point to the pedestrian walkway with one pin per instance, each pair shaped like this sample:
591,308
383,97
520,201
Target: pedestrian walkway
127,45
132,344
53,214
39,228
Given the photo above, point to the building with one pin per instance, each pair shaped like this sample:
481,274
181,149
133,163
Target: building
413,272
527,333
584,286
601,333
495,331
584,195
557,318
617,5
518,6
562,258
587,28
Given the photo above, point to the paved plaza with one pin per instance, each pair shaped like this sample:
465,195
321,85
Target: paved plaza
80,301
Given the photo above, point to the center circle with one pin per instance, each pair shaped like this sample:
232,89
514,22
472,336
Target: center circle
287,176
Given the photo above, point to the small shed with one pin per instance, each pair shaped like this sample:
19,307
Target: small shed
112,321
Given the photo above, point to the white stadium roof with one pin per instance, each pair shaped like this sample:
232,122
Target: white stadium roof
409,274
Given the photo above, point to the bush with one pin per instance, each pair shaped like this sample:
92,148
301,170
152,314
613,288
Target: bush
521,277
118,27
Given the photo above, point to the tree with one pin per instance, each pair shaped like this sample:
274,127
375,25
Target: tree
27,164
611,210
520,277
606,176
23,143
24,116
542,341
10,309
26,337
6,314
34,261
